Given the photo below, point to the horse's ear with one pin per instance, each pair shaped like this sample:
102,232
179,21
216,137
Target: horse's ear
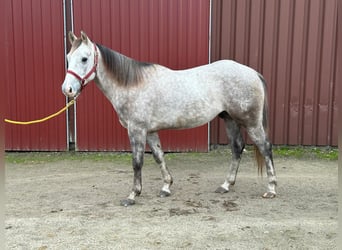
72,37
84,37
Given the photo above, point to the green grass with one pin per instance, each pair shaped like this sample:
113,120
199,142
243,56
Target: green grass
302,152
297,152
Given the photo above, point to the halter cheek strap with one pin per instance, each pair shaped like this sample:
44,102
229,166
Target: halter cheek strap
93,70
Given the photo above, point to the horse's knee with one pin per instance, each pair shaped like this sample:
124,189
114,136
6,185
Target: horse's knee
238,146
138,158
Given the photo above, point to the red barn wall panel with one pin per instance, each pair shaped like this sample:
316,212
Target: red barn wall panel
171,33
293,44
34,70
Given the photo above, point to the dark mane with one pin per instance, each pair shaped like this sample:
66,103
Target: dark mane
126,71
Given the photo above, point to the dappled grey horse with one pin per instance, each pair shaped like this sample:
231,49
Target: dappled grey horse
150,97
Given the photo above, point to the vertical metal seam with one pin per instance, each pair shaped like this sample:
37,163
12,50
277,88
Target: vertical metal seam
232,49
332,79
247,33
288,74
219,23
14,75
65,64
75,104
34,103
214,55
209,35
303,72
24,66
209,59
261,39
275,62
72,15
319,51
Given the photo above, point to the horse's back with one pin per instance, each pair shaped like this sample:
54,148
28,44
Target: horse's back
233,81
222,73
233,70
187,98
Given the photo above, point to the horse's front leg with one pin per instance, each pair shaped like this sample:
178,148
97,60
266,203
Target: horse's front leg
158,154
137,139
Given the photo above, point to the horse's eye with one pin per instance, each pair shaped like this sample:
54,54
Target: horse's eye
84,59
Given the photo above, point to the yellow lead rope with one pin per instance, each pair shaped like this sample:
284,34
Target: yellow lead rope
43,119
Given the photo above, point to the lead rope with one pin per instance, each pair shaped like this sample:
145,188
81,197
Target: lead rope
43,119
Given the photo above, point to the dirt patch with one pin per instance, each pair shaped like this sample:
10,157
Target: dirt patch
75,204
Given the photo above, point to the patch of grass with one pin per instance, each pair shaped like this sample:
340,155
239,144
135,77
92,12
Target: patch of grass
327,153
299,152
323,153
296,152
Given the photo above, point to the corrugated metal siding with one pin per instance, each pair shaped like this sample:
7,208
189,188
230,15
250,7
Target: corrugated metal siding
34,70
171,33
293,44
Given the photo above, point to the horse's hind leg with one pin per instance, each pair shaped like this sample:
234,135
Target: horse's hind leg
258,136
237,145
154,143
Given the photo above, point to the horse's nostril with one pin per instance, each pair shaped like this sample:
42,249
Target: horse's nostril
70,90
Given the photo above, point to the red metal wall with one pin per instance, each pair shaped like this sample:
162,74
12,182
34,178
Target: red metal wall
172,33
293,44
33,72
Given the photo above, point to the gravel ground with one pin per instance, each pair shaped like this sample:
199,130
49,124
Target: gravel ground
75,204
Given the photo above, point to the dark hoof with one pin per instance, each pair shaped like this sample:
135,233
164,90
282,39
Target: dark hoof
269,195
163,194
221,190
127,202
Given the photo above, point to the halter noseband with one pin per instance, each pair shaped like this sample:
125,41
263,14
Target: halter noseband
93,70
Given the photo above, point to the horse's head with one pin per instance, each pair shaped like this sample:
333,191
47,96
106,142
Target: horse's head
82,62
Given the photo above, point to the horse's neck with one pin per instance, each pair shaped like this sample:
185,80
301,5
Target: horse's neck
109,88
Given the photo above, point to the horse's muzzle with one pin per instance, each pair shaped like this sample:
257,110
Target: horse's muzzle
69,90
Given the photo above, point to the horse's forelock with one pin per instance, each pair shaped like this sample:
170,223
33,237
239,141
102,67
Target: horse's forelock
77,43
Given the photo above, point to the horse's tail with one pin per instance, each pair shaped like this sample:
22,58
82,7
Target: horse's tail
258,156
